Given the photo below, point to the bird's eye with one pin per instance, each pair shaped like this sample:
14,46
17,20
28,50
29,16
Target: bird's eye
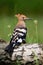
23,17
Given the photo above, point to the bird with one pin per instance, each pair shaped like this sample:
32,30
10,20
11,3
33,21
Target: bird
19,34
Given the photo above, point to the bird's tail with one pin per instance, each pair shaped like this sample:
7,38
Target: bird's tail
9,48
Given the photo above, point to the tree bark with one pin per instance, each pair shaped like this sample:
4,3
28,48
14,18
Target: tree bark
24,54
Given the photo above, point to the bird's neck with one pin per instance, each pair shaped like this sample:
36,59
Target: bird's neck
21,23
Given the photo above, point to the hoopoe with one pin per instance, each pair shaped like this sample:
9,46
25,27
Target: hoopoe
19,33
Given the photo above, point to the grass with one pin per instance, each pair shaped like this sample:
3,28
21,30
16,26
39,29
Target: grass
35,32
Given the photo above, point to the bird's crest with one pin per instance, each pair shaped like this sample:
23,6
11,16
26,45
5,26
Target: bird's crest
22,17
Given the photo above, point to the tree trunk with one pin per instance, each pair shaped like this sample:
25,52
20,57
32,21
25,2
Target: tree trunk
24,54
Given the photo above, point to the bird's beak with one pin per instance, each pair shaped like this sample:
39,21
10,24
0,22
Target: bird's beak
28,18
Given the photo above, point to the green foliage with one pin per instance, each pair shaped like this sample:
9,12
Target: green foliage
10,7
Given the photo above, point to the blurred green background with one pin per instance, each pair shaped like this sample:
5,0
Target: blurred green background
31,8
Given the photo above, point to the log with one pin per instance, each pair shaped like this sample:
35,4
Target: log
25,54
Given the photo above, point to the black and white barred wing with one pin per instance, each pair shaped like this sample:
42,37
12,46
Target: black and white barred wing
19,34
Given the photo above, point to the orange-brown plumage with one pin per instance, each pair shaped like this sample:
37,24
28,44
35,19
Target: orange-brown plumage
21,19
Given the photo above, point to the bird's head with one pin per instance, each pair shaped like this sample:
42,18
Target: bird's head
22,17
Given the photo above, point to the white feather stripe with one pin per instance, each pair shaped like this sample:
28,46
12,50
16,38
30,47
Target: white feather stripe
20,34
14,33
13,45
21,30
19,40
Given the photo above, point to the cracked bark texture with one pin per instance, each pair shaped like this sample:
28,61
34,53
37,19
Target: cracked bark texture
25,54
